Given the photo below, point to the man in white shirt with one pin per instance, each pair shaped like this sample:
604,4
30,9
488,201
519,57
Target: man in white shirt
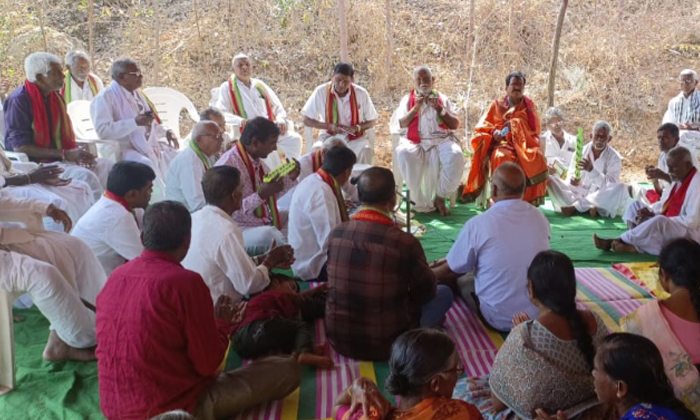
242,98
430,158
679,216
558,146
72,334
599,190
219,254
340,107
498,246
184,181
80,83
317,207
684,109
122,112
111,228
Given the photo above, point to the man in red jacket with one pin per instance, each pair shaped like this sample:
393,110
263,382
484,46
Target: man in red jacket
162,342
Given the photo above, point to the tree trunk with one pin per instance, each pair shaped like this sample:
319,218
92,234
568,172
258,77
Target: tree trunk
343,31
91,28
555,54
389,42
156,56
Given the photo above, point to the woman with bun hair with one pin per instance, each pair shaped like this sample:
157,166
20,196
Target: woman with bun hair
673,324
424,366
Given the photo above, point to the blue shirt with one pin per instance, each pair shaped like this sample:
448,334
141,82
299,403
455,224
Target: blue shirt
499,245
19,119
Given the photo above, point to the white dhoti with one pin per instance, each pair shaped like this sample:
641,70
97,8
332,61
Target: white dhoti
430,169
633,208
52,294
75,199
290,144
258,240
95,178
75,261
650,236
609,201
361,147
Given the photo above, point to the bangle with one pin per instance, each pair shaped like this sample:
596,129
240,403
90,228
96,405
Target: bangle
63,154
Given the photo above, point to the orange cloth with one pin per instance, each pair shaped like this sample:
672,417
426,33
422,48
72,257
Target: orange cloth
521,146
428,409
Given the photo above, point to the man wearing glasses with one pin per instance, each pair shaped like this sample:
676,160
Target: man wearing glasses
557,145
122,112
684,109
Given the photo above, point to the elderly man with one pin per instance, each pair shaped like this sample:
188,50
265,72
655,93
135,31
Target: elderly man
259,217
163,341
80,83
684,109
679,216
558,146
317,207
184,181
38,125
72,334
599,190
340,107
221,258
508,132
429,156
497,247
29,180
122,112
242,98
379,282
111,227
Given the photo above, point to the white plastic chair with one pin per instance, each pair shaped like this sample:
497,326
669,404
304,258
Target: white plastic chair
169,102
84,129
7,335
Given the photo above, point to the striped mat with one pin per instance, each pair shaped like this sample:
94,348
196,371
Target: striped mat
603,290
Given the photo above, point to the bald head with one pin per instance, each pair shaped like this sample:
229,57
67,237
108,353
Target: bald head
376,187
508,181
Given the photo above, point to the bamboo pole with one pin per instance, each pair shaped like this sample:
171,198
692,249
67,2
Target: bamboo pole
40,13
156,58
196,19
389,42
555,54
91,29
343,31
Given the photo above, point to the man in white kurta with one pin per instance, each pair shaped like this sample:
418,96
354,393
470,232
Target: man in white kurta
29,180
557,145
111,228
184,180
650,230
69,255
121,112
340,107
220,256
599,190
684,109
429,156
317,207
80,83
242,97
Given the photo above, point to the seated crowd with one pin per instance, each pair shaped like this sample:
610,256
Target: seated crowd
159,264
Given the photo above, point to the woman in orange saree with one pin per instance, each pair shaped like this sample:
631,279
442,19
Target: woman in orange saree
508,132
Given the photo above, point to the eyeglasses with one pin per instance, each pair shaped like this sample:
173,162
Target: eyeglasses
135,73
557,123
686,81
459,370
219,136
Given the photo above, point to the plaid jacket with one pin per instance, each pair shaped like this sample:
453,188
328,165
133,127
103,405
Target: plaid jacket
378,278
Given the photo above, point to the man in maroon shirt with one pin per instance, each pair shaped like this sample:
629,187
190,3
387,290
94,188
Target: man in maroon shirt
161,341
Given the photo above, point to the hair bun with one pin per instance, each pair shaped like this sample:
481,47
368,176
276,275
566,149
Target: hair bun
398,384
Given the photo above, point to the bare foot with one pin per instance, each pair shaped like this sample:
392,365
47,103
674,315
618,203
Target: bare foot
320,349
323,362
439,204
56,350
600,243
568,211
593,212
619,246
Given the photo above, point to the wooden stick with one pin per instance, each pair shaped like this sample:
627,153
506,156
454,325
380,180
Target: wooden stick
343,31
555,54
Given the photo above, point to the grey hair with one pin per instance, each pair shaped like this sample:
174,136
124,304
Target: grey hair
174,415
237,57
73,56
39,63
551,113
119,67
681,153
603,124
691,72
334,141
422,68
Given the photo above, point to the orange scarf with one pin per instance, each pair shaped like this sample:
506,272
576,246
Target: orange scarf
674,203
263,211
61,126
332,110
328,179
374,215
